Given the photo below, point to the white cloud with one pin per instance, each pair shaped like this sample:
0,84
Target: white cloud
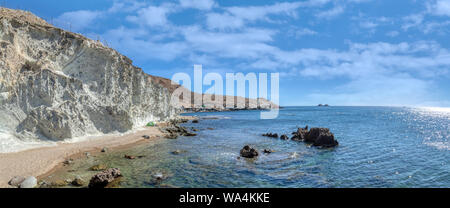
139,43
392,33
125,6
237,17
198,4
335,11
439,7
221,21
151,16
77,20
304,32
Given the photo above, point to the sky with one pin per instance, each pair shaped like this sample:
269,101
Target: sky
341,52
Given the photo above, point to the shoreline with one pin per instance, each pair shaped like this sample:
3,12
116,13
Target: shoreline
43,161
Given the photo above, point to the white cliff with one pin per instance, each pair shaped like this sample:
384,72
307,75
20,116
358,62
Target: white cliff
56,85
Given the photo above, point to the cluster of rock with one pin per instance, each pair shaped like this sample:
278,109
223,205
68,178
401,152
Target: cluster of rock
273,135
320,137
173,131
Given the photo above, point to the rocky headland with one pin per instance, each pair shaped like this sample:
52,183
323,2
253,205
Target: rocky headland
56,85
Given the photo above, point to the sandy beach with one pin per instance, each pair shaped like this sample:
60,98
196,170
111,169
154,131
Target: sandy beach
40,161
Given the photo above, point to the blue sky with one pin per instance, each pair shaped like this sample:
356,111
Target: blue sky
342,52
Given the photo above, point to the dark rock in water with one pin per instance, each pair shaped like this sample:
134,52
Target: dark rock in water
102,179
16,181
98,167
300,135
325,139
275,135
146,137
284,137
78,181
268,151
248,152
321,137
195,121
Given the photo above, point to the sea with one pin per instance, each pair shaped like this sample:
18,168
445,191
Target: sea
378,147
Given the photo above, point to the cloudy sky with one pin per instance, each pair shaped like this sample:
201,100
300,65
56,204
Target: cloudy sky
341,52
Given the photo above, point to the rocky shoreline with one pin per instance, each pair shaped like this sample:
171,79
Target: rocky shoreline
105,176
317,137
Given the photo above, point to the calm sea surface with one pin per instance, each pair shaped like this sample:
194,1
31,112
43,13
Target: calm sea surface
379,147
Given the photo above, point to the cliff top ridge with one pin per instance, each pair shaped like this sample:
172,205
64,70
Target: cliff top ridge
25,16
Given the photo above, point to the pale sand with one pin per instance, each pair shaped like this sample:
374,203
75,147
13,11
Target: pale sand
37,162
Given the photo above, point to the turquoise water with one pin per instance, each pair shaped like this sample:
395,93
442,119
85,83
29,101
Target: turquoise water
379,147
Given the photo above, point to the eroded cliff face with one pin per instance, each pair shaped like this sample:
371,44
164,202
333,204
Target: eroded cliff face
56,84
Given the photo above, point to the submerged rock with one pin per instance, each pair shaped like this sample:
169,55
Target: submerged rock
130,157
249,152
78,181
98,167
102,179
68,162
29,182
16,181
58,183
177,152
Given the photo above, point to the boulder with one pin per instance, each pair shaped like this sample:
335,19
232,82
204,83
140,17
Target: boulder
321,137
326,140
284,137
16,181
248,152
78,181
268,151
146,137
58,183
29,182
195,121
102,179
